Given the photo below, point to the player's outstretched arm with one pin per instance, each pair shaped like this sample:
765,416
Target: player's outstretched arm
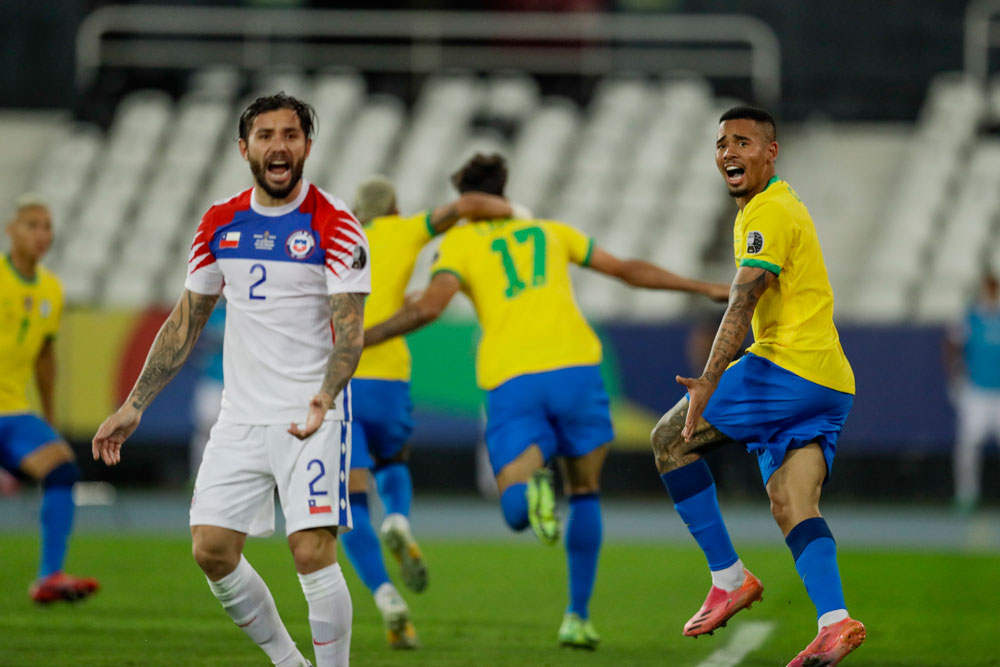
170,350
417,312
748,286
473,206
348,317
639,273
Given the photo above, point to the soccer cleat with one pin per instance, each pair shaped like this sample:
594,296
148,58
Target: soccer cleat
396,536
721,605
832,643
542,507
61,586
399,630
576,632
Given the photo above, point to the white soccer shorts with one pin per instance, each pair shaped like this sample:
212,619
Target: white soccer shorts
243,463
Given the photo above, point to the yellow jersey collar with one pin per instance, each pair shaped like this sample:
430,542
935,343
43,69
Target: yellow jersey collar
23,278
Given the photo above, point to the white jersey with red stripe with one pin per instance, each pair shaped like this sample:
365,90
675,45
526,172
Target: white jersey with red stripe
277,266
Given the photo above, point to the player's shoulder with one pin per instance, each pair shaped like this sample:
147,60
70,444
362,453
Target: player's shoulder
230,205
48,281
330,213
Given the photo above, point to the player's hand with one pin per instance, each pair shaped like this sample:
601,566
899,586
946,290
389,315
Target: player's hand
107,443
699,390
719,292
318,407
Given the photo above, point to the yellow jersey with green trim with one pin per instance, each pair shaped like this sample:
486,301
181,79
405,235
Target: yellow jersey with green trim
30,309
793,322
516,272
395,242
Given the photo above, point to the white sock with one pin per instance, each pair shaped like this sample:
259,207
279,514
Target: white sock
246,599
730,578
831,617
330,615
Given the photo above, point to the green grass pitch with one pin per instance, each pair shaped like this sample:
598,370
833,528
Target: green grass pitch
497,604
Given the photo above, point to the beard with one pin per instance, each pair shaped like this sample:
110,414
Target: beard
259,172
742,192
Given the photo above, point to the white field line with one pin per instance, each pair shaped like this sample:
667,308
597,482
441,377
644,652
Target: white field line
746,639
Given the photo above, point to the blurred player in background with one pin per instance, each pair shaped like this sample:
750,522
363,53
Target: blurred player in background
30,308
539,362
382,421
292,263
973,354
787,398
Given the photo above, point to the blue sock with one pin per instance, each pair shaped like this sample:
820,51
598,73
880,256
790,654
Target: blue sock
693,491
514,503
395,487
362,547
57,516
815,554
584,529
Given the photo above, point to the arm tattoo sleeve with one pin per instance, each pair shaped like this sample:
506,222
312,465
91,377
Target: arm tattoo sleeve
348,316
743,299
172,346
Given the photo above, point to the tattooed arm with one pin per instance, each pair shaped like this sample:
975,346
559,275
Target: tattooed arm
170,350
748,286
348,317
418,312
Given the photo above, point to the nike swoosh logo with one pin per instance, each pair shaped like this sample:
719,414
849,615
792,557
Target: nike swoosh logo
323,643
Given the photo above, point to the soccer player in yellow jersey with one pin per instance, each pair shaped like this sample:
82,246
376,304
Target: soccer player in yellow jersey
787,398
30,307
382,423
539,361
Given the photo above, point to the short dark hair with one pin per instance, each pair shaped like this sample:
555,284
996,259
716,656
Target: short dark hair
306,114
753,113
482,173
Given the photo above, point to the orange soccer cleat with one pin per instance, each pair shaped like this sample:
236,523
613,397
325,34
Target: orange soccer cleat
722,605
61,586
832,643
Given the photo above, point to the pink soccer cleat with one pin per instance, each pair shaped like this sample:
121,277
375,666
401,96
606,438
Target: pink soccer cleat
831,644
722,605
61,586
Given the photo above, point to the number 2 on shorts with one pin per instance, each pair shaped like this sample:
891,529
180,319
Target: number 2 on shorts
322,471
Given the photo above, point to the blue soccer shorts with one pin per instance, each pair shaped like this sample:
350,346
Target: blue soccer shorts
773,410
381,421
565,412
20,435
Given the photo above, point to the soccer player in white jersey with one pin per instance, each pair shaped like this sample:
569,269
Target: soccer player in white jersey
293,263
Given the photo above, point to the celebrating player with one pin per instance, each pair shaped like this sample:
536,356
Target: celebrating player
539,361
30,307
787,398
382,422
291,261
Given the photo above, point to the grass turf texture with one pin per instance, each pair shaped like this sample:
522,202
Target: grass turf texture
496,604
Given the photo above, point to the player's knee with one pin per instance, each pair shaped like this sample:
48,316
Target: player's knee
215,560
313,551
63,475
402,456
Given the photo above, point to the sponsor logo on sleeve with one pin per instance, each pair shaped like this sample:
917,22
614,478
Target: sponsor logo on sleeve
755,242
360,257
300,244
229,240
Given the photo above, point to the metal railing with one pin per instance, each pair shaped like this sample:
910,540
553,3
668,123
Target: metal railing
721,45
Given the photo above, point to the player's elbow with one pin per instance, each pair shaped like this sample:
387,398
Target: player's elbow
428,310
